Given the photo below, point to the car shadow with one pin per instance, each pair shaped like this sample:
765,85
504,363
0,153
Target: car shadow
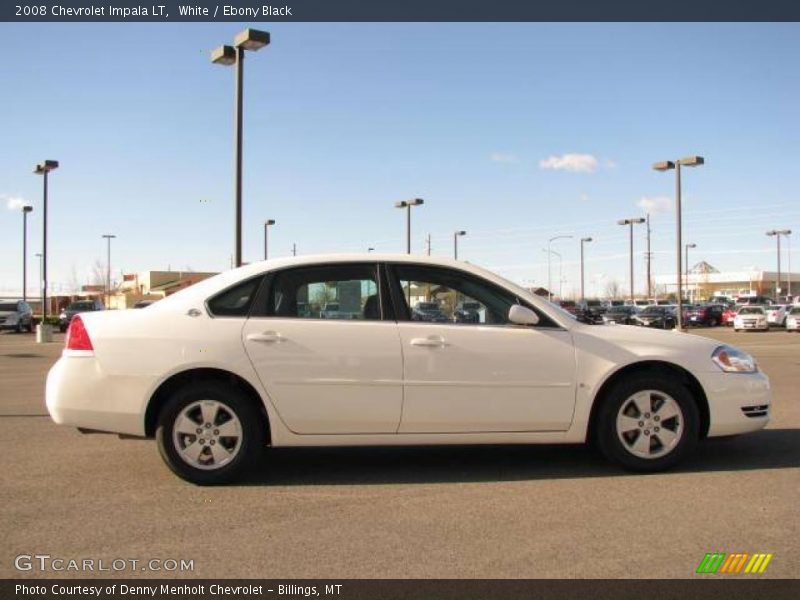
767,449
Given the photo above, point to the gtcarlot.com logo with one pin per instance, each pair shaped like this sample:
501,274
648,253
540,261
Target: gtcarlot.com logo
734,564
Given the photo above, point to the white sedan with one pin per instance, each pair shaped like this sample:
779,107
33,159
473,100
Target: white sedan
793,319
248,359
751,317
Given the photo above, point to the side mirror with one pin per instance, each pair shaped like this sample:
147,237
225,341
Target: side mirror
522,315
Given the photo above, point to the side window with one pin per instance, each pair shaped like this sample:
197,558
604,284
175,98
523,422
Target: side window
343,292
447,296
236,300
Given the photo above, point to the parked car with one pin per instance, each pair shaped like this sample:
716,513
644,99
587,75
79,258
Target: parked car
620,315
728,315
240,369
751,317
428,311
569,305
661,317
776,315
16,315
793,319
704,314
77,307
143,303
468,312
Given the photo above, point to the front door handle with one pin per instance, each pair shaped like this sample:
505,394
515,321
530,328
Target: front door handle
432,341
269,337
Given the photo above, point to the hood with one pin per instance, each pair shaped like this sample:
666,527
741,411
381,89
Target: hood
626,343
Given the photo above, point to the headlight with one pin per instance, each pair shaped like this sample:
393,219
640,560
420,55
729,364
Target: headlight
733,360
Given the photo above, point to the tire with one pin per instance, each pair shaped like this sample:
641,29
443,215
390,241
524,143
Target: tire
620,437
225,410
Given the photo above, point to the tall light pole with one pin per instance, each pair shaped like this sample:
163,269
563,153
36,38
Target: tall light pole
267,224
249,39
456,235
108,237
25,210
631,223
686,264
778,233
43,168
294,249
407,204
39,256
666,165
583,241
649,260
549,271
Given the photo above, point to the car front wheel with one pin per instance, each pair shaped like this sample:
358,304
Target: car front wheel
209,433
648,422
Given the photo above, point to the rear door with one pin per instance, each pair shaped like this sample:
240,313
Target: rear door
327,371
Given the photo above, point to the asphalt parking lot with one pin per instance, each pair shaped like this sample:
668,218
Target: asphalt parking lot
455,512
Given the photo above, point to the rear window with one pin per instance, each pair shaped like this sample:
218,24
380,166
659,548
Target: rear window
751,310
83,305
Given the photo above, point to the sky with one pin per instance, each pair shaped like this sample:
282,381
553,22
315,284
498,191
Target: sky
515,133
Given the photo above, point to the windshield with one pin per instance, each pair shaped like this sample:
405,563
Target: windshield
622,310
653,310
751,310
795,311
8,306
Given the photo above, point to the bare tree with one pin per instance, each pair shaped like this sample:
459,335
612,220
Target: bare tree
613,289
97,274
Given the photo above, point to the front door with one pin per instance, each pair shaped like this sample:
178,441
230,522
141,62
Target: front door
467,369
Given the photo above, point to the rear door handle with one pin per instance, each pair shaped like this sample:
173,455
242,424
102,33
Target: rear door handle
269,337
432,341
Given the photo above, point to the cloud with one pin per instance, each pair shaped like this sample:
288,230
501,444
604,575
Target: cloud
656,204
577,163
503,157
13,202
609,164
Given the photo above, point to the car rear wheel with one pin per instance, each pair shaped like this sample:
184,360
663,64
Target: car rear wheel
209,433
647,423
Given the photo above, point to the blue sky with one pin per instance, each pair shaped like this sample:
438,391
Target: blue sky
513,132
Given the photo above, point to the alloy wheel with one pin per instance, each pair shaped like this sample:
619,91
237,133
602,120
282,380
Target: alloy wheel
650,424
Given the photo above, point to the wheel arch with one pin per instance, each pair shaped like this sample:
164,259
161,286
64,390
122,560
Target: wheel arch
177,380
664,368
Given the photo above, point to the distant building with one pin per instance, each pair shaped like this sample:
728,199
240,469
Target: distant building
152,285
704,281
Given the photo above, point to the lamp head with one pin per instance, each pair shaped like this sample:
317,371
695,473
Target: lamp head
586,239
664,165
251,39
461,233
269,222
27,208
692,161
224,55
45,167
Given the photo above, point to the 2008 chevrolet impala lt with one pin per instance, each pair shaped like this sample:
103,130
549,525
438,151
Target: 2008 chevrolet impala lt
383,349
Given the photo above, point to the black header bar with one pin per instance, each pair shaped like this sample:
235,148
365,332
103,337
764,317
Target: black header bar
254,11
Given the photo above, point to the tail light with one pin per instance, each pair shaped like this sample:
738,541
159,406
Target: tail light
77,336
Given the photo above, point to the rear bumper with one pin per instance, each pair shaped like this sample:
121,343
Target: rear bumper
80,394
737,402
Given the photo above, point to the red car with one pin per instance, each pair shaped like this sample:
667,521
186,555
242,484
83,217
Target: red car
728,314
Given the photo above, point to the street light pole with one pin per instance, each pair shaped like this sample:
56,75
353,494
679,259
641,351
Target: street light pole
583,241
778,233
43,168
249,39
267,225
631,223
39,255
25,210
456,235
666,165
549,269
649,260
686,264
407,204
108,237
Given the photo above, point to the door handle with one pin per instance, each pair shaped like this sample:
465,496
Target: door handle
268,337
432,341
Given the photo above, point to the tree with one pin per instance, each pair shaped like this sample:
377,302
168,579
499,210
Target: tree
613,289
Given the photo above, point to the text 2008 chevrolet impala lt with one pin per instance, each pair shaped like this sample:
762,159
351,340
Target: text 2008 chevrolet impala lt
334,350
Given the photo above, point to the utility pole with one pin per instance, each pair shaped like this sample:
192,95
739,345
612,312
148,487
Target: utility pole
294,249
649,258
429,244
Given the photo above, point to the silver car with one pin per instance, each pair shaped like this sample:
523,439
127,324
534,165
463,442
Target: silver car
16,315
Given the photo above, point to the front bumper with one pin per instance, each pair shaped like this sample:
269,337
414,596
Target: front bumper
737,402
79,393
